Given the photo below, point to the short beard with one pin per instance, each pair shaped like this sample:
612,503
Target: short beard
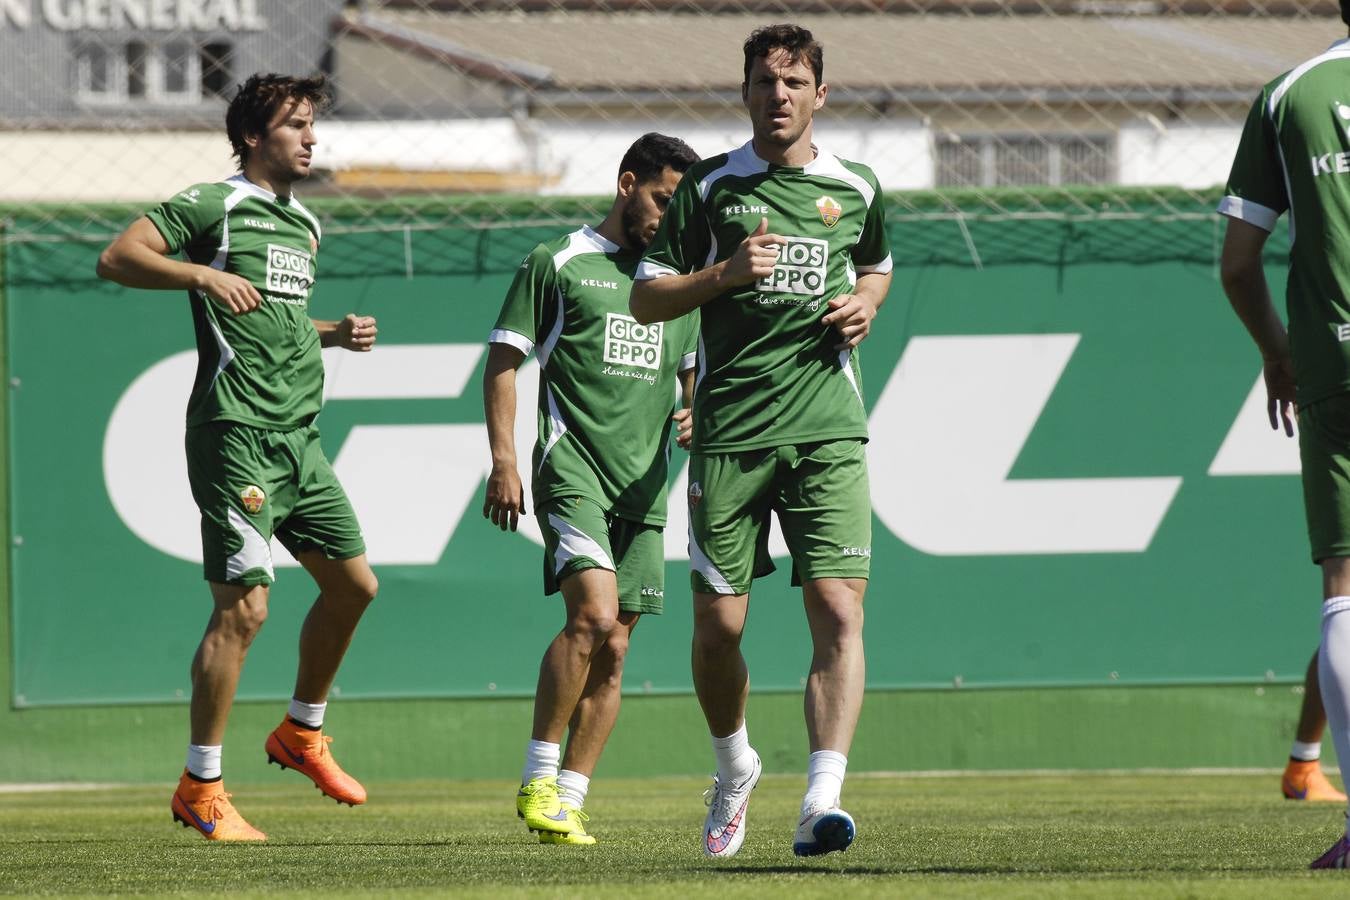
632,228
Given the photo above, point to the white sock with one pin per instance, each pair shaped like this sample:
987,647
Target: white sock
204,761
1333,671
824,780
572,788
541,761
1306,751
734,756
308,714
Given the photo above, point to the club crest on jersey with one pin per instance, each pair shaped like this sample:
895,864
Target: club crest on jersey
830,211
695,494
253,499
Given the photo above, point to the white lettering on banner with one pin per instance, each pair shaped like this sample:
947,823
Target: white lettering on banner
410,484
18,13
1252,447
160,15
944,488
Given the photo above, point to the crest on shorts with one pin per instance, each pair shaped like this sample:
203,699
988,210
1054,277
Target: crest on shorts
830,211
695,494
253,499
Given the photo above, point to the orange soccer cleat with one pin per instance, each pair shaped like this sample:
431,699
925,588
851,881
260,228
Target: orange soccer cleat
1305,781
206,807
306,751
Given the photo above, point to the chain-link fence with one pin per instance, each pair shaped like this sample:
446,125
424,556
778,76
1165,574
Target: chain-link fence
448,112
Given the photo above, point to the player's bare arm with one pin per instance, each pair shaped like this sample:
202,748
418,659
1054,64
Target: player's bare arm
353,332
684,416
671,296
852,314
505,500
1244,281
138,258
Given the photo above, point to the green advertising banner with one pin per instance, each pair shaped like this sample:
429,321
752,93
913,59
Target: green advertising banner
1072,478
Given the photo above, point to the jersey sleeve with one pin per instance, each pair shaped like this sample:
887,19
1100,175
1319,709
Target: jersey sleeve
519,320
1256,191
689,352
682,240
872,253
188,216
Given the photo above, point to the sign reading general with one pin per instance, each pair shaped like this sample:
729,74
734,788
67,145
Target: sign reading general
113,15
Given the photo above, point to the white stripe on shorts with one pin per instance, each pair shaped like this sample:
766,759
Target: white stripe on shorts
572,543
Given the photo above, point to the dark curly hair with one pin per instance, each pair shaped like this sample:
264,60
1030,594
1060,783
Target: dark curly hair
258,100
652,153
799,43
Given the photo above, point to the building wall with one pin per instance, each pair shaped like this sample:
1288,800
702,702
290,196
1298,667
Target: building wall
40,41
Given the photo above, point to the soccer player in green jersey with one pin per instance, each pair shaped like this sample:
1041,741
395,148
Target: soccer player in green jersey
250,253
782,248
607,397
1294,157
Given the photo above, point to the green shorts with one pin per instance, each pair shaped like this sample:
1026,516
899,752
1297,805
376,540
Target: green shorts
579,534
1324,448
251,484
819,492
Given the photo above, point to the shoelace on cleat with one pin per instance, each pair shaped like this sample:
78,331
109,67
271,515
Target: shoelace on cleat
717,800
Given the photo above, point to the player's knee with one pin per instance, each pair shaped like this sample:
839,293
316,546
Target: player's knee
365,587
599,625
715,637
245,620
839,616
615,649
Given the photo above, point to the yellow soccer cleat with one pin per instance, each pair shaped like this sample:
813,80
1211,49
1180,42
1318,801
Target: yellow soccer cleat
577,838
537,802
1305,781
206,807
306,751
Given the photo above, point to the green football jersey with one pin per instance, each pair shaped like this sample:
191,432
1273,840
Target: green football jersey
262,368
768,374
607,385
1295,156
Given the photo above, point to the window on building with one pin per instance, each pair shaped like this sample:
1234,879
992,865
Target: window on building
138,72
137,54
95,72
217,69
994,160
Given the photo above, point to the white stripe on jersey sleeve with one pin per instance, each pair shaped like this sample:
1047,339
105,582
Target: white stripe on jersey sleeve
688,361
512,339
1262,217
880,268
647,270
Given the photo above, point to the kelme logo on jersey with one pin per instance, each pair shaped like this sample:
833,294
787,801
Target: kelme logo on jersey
289,271
629,343
253,499
830,211
800,269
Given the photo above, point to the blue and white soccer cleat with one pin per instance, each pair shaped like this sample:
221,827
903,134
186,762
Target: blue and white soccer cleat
1335,858
724,828
823,830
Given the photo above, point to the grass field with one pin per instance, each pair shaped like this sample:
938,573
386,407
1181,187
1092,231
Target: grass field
968,836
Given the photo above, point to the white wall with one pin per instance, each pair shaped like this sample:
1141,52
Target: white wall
1190,156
